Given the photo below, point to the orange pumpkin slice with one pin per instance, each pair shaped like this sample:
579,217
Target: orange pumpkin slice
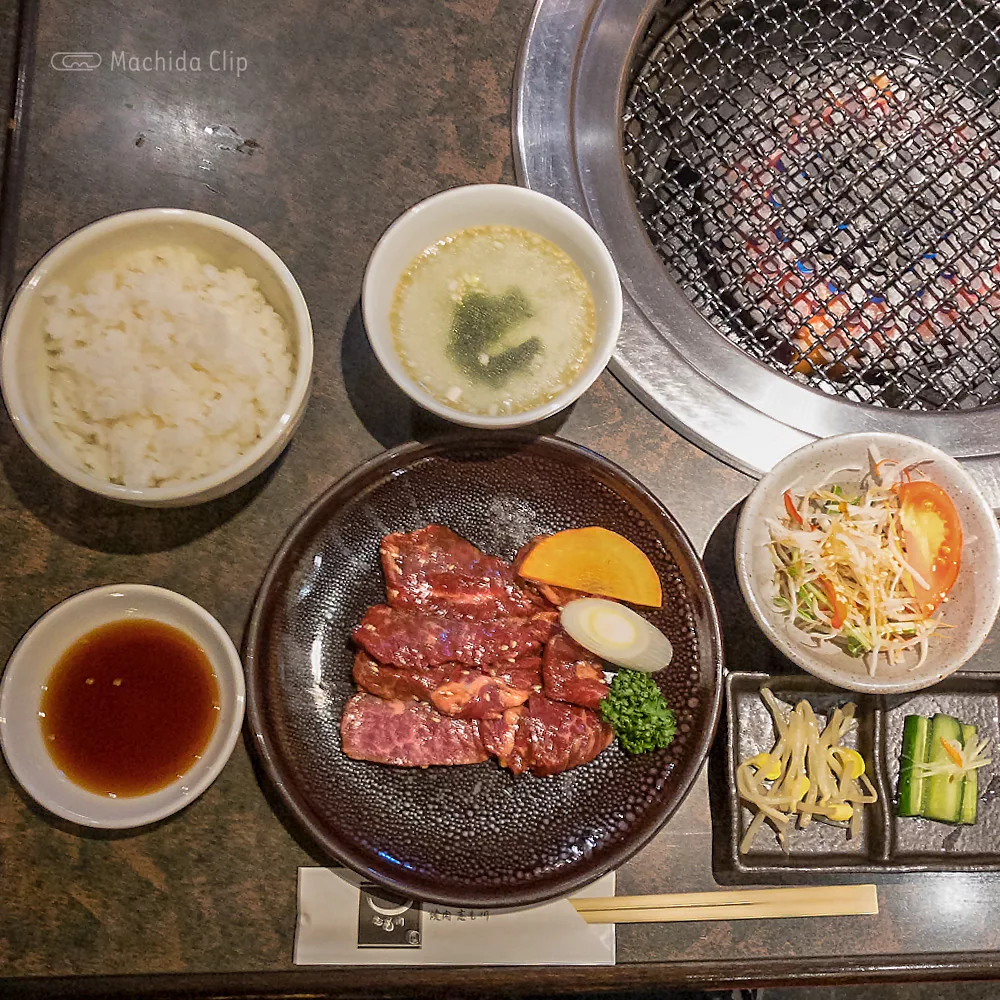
595,561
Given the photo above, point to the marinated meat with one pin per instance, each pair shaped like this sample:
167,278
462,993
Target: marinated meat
507,740
475,695
545,737
405,638
571,673
434,569
407,734
451,669
524,674
563,736
399,682
456,691
557,596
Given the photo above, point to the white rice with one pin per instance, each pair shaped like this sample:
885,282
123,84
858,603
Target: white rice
164,369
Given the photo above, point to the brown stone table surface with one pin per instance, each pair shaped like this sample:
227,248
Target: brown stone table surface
343,114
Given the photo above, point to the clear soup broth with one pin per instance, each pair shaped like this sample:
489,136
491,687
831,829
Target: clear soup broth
493,320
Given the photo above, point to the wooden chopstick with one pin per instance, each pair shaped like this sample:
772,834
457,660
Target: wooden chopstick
731,904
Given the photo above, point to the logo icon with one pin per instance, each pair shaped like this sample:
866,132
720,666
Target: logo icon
75,61
387,921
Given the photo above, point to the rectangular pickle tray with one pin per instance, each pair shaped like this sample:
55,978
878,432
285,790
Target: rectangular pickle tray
887,843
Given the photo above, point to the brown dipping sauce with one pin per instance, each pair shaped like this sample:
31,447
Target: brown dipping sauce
129,707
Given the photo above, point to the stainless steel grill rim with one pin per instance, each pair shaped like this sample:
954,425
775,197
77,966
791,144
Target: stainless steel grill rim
571,84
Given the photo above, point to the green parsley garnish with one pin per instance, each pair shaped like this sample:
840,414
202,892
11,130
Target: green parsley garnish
638,713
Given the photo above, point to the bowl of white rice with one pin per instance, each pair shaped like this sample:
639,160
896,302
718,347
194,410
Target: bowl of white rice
160,357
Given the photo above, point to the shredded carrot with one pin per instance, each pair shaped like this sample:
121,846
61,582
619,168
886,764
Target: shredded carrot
790,509
954,754
841,571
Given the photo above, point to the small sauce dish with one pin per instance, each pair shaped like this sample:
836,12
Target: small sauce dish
25,683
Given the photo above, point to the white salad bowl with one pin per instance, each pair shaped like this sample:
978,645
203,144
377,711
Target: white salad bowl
70,262
38,652
490,205
969,610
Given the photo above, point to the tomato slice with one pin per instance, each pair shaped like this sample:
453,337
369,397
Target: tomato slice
932,537
838,608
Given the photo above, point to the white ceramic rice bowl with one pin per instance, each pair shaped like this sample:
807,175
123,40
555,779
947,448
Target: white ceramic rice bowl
222,243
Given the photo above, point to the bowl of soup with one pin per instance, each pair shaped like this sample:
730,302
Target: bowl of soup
492,305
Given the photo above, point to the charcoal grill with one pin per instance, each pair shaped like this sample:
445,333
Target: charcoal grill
803,199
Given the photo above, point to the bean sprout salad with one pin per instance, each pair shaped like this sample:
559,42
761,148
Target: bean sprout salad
864,561
808,774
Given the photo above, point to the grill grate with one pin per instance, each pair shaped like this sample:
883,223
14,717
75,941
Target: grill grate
824,184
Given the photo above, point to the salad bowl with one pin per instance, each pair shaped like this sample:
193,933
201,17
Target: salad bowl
969,609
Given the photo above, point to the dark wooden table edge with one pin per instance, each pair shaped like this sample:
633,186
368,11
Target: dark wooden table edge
373,983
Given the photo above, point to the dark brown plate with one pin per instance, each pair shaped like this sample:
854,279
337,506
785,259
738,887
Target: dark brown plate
473,835
888,843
